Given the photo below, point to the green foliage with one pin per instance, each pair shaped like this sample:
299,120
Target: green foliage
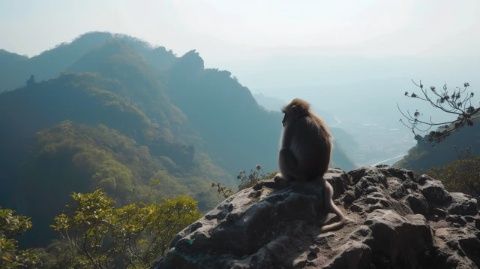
461,175
222,190
245,181
75,157
252,178
103,155
92,131
12,225
100,235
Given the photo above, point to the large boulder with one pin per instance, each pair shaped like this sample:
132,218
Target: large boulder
400,220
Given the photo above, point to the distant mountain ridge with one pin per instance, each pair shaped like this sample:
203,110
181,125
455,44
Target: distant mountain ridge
118,98
425,155
268,102
81,55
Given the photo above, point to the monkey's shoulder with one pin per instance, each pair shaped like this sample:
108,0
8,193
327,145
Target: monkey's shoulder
308,124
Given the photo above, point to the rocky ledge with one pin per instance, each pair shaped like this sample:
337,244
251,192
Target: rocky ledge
401,220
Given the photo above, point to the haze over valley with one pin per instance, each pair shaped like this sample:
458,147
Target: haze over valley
353,63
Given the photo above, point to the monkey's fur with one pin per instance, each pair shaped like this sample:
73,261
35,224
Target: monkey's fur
305,152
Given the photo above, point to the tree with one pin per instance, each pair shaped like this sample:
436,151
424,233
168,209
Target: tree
12,225
457,102
101,235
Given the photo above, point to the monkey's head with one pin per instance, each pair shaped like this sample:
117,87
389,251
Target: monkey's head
296,109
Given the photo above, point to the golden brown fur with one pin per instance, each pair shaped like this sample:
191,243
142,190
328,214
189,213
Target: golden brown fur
306,143
305,151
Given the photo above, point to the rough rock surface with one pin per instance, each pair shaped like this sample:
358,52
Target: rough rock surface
401,220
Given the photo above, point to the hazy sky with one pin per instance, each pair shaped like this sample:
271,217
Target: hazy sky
273,46
352,58
252,38
220,29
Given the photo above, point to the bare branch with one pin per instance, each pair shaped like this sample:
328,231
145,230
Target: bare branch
456,102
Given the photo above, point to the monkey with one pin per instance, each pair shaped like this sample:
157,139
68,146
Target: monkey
306,146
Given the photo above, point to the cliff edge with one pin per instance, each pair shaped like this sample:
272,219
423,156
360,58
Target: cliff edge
401,220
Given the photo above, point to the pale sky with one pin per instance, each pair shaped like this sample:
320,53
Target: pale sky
273,45
224,29
342,55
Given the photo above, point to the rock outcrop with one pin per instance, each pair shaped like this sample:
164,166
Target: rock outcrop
401,220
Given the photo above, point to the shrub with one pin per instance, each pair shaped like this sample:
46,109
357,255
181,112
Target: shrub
461,175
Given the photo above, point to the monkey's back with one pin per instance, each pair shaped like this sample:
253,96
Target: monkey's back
312,146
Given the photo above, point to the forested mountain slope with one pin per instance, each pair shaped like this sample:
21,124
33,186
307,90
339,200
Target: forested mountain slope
112,112
106,142
463,143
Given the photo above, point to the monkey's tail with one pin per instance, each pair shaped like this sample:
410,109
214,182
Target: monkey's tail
333,226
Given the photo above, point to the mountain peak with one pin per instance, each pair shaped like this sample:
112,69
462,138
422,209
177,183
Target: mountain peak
11,55
192,59
93,36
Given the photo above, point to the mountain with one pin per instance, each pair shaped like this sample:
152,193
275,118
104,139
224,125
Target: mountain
118,55
12,70
110,111
106,141
51,63
269,103
425,155
237,131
